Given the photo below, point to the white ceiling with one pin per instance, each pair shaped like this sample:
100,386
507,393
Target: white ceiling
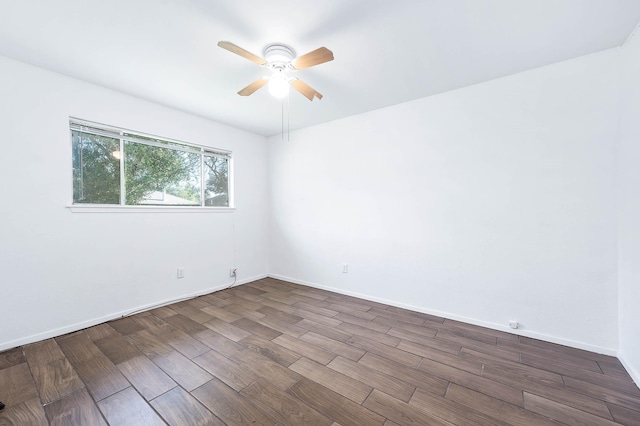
386,51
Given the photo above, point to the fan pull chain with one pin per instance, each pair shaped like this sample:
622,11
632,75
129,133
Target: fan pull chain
288,99
288,118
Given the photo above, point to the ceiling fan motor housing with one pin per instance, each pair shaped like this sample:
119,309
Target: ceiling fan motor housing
278,54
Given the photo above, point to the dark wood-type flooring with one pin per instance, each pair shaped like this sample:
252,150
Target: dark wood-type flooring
272,352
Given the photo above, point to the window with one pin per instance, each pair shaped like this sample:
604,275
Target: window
118,167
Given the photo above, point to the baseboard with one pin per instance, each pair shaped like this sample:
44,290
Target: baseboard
448,315
95,321
635,375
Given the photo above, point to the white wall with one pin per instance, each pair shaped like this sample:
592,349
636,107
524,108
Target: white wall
485,204
61,270
629,209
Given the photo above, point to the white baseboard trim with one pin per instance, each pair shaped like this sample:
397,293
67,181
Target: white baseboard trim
448,315
95,321
635,375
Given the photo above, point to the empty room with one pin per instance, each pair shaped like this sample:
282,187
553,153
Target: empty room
341,212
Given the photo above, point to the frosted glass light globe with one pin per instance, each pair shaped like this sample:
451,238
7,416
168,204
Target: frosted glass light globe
278,86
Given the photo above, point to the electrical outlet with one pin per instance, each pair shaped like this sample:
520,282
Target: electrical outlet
514,324
180,273
345,268
233,272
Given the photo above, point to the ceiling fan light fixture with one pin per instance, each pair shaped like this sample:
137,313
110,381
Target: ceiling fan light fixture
278,85
281,59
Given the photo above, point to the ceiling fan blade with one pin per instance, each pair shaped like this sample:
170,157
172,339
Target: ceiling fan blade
316,57
305,90
253,87
227,45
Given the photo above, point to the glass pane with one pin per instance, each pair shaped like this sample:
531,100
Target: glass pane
96,169
161,176
216,178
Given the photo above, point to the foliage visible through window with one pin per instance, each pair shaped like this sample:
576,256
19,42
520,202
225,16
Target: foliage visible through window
114,167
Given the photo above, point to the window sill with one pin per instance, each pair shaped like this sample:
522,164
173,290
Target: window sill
102,208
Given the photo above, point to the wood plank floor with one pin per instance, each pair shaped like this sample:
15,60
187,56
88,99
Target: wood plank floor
275,353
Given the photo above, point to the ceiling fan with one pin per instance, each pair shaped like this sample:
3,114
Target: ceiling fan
280,59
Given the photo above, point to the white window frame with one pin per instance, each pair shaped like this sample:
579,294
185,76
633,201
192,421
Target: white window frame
123,135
